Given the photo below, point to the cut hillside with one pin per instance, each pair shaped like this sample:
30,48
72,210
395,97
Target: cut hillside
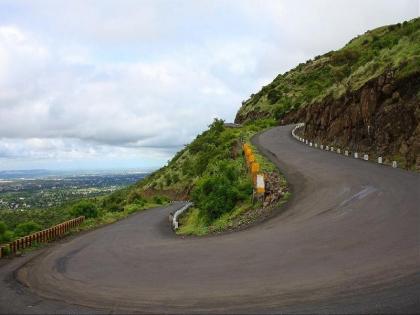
364,97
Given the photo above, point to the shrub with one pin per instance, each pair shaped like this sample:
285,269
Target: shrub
219,191
6,237
215,196
27,228
115,207
273,96
279,112
344,56
201,162
168,180
135,197
160,199
86,208
210,136
116,201
175,178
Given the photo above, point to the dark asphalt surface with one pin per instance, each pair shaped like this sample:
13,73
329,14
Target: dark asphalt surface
347,242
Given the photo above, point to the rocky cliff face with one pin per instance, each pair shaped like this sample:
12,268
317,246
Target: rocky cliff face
363,97
381,118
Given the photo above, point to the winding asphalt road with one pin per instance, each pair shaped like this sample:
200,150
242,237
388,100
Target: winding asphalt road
347,242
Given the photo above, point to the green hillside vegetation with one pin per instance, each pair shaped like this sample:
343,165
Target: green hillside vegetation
336,72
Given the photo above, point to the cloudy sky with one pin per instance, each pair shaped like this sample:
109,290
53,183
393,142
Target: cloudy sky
125,84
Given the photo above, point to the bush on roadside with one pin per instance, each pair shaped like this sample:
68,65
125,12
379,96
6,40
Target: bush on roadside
116,201
27,228
219,191
86,208
279,112
5,235
135,197
157,199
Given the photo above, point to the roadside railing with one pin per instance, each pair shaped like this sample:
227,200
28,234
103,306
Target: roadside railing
254,169
43,236
173,218
356,155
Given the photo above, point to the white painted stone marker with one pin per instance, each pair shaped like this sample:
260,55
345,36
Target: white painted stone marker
332,149
327,148
260,184
356,155
380,160
322,147
310,144
338,151
346,153
316,145
394,164
365,157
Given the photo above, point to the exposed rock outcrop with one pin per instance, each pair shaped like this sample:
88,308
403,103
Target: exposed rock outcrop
274,191
381,118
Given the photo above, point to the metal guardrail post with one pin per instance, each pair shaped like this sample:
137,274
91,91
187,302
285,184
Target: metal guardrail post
175,223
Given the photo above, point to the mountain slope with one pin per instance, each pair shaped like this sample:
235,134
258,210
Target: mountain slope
364,96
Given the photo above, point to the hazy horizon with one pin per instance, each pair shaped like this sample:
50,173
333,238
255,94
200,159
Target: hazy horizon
45,174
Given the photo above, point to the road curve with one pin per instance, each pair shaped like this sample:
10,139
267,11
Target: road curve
347,242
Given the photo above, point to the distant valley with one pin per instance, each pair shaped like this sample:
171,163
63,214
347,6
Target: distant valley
23,190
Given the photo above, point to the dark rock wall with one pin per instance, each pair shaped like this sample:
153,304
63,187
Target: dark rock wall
381,118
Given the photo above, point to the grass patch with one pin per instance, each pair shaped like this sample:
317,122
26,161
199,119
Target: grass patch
191,223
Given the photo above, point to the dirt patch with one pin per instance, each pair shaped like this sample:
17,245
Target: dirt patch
172,194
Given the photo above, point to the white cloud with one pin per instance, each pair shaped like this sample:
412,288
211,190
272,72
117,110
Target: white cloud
108,103
92,80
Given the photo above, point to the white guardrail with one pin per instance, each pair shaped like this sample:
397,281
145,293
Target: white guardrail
173,218
332,149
